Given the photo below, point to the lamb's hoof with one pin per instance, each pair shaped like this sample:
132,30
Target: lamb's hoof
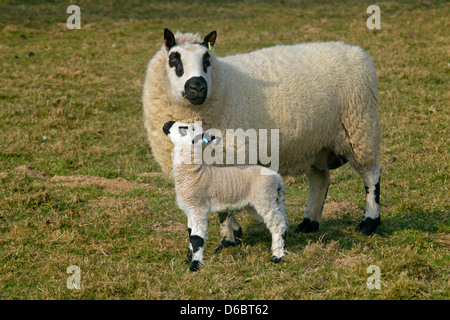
188,257
218,249
224,244
276,259
307,226
368,226
195,265
238,233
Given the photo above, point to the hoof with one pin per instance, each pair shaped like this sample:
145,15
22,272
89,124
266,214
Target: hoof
195,265
238,233
224,244
368,226
307,226
188,257
276,259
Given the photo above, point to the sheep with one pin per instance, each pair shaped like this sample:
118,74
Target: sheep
322,96
202,189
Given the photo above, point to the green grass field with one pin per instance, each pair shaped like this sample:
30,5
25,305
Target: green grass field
78,185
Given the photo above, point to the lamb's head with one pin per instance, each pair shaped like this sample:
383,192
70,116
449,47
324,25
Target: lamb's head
189,68
185,134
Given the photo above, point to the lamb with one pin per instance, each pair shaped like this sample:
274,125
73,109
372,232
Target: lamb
323,98
202,189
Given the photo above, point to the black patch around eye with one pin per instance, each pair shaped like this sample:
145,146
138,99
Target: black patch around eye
175,62
183,130
206,61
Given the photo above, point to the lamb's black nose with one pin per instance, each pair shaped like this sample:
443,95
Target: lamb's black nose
167,126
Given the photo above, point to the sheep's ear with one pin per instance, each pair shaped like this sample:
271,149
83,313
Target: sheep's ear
210,40
169,39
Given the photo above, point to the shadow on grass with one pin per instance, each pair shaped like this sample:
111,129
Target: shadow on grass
342,230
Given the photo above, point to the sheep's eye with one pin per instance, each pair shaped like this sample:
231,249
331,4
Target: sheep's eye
175,62
206,61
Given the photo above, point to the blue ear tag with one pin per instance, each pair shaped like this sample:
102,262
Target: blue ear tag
205,140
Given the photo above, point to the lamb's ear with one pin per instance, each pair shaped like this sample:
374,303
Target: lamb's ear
169,39
210,40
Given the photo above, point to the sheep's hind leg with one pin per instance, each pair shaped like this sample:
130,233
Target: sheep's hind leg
319,180
371,179
230,230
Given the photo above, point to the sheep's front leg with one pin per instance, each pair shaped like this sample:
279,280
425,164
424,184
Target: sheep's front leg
319,180
197,238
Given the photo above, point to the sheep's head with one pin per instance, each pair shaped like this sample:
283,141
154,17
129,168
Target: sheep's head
189,68
183,134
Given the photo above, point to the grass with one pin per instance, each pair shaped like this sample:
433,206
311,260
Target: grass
78,185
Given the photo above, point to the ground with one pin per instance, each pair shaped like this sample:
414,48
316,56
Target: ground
78,185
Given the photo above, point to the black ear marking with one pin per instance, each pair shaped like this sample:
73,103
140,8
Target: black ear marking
167,126
169,39
210,40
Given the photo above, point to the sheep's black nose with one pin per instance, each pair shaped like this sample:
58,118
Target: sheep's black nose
167,126
196,90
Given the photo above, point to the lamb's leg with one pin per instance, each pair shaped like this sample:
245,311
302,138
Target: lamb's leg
230,230
227,238
197,238
319,180
371,179
277,223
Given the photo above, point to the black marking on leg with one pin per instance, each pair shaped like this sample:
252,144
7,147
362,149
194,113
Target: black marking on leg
377,193
307,226
368,225
223,216
195,265
197,243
